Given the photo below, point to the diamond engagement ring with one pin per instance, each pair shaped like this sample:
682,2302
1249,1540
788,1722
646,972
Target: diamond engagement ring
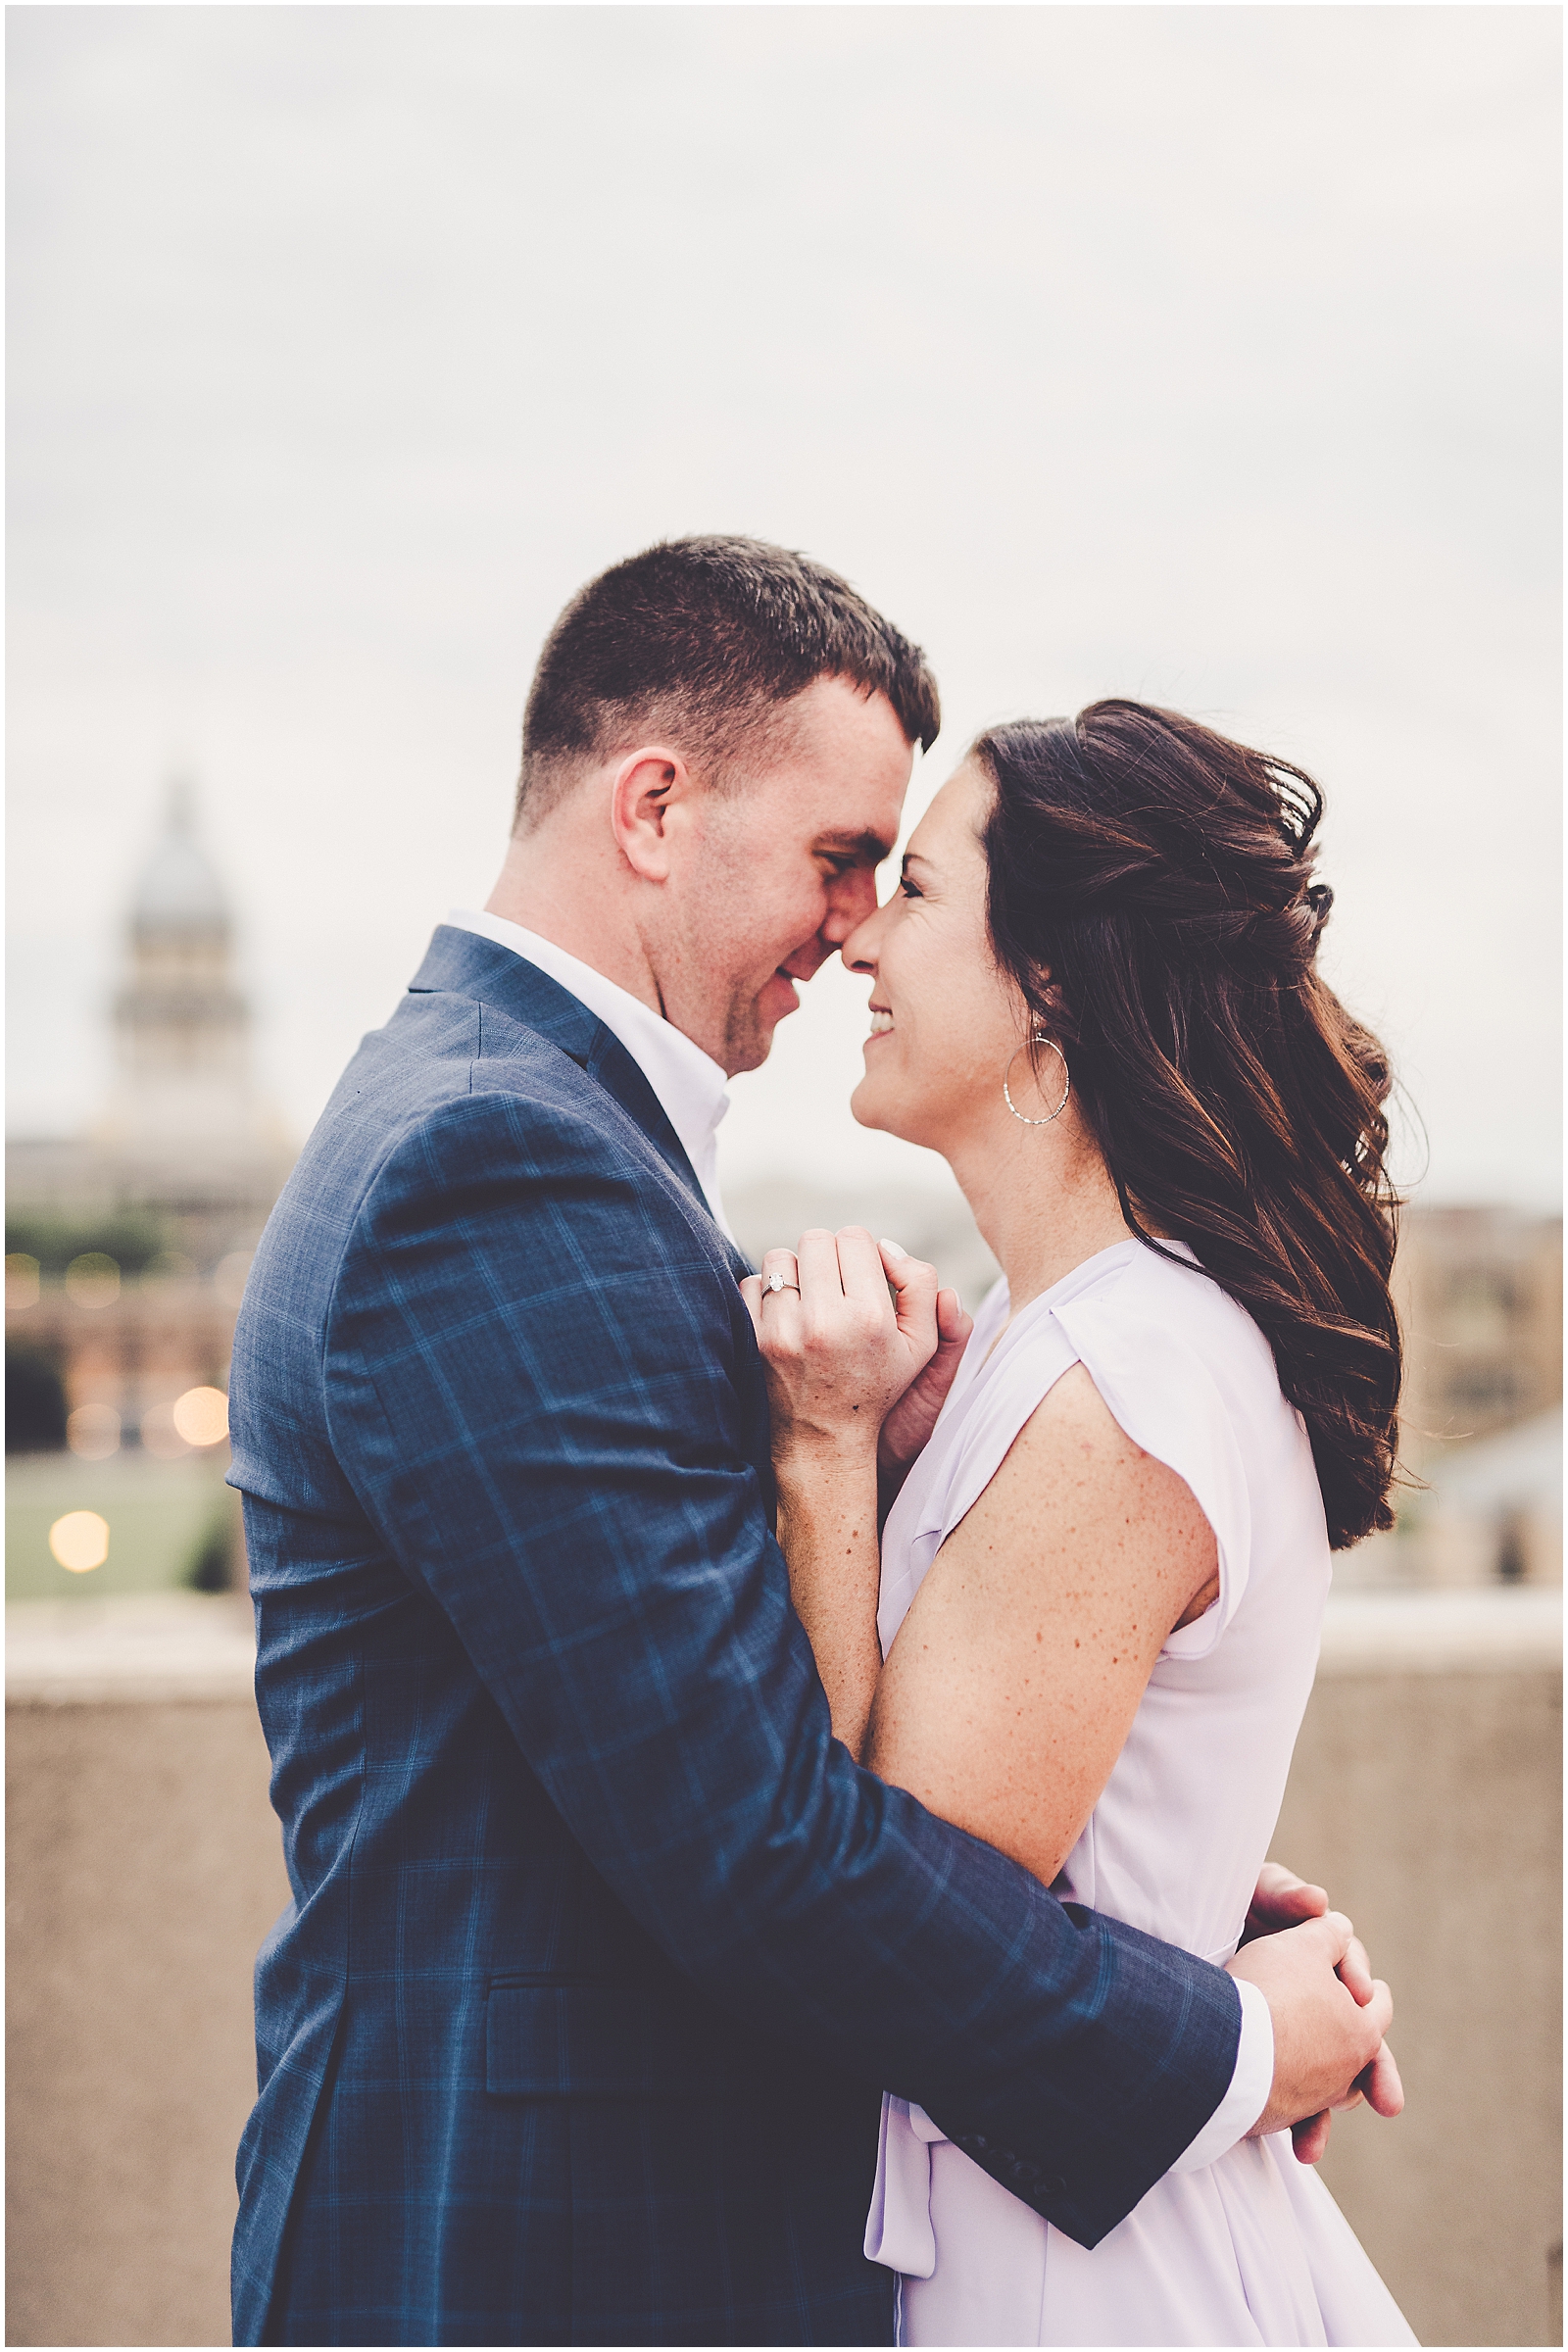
777,1282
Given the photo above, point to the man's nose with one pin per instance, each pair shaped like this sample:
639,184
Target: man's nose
854,899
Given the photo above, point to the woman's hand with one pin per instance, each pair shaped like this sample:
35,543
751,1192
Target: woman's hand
908,1426
839,1355
839,1352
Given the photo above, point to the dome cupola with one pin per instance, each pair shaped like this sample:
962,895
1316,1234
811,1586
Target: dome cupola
179,891
181,1026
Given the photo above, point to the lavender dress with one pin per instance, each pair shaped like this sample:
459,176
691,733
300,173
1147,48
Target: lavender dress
1250,2249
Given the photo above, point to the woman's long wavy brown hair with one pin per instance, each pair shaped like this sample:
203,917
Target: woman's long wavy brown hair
1151,894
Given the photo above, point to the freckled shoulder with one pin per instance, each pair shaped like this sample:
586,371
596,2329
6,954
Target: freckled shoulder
1072,1460
1074,1416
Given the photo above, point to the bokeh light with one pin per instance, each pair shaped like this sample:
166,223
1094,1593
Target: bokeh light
92,1280
93,1432
201,1416
159,1434
80,1540
22,1280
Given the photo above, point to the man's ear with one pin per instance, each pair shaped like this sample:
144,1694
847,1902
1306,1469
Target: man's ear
649,782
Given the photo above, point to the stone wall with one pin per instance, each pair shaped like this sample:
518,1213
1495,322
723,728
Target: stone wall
145,1869
1426,1795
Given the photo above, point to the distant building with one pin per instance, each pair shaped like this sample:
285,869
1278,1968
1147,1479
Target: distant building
1493,1515
1480,1295
126,1247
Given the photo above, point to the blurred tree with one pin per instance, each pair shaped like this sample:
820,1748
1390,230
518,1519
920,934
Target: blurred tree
212,1570
35,1402
130,1239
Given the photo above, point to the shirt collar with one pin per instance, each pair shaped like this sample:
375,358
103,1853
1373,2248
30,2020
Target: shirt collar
690,1086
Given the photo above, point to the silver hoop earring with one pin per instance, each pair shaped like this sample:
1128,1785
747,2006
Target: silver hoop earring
1038,1038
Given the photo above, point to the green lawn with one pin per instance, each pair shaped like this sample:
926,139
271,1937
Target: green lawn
162,1517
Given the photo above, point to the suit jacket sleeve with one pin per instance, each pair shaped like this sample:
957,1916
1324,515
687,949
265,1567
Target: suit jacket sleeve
543,1386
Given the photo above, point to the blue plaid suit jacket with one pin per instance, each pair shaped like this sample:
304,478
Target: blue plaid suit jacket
600,1948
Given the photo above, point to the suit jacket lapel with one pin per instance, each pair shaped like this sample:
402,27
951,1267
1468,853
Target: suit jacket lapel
471,967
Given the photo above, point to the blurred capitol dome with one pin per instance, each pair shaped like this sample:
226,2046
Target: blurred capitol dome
128,1249
184,1095
179,889
186,1139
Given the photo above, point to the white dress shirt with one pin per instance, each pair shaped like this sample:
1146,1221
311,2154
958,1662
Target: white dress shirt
1251,2084
690,1090
690,1087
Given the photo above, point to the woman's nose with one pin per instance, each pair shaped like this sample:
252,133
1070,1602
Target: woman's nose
859,949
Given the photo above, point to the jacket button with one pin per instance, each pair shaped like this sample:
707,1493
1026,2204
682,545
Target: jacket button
1052,2185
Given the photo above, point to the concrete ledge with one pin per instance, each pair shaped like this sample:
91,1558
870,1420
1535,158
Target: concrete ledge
162,1646
1426,1796
148,1647
1489,1630
145,1867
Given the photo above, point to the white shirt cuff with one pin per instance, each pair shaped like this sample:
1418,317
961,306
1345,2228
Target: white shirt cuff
1251,2084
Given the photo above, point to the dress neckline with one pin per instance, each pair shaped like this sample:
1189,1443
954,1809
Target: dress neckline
1067,1285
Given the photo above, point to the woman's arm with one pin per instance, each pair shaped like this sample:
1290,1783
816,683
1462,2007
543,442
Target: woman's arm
828,1530
1015,1676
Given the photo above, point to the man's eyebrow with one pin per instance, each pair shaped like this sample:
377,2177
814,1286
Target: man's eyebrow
869,848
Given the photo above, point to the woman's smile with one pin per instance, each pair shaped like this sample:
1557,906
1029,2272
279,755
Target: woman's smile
933,986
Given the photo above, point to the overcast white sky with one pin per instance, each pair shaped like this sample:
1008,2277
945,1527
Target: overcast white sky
1208,355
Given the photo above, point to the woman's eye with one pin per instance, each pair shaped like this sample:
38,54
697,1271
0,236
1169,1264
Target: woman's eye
908,887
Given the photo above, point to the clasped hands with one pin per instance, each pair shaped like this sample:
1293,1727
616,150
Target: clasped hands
1327,2026
860,1349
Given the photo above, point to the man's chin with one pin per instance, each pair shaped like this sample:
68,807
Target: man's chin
748,1047
750,1043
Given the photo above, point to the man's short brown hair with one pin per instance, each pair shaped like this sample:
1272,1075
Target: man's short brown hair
700,640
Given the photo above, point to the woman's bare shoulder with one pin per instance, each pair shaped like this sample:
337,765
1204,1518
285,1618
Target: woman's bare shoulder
1073,1449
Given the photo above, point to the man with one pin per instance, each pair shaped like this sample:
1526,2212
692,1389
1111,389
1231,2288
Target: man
600,1950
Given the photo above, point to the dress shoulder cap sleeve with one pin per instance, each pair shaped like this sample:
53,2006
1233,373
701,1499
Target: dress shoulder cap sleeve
1170,1355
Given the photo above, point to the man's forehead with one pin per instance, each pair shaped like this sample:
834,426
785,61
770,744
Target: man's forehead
839,769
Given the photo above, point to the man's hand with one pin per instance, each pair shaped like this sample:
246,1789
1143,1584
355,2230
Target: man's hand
1283,1901
1329,2015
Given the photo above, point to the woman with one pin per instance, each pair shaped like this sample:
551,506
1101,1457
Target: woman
1093,1626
